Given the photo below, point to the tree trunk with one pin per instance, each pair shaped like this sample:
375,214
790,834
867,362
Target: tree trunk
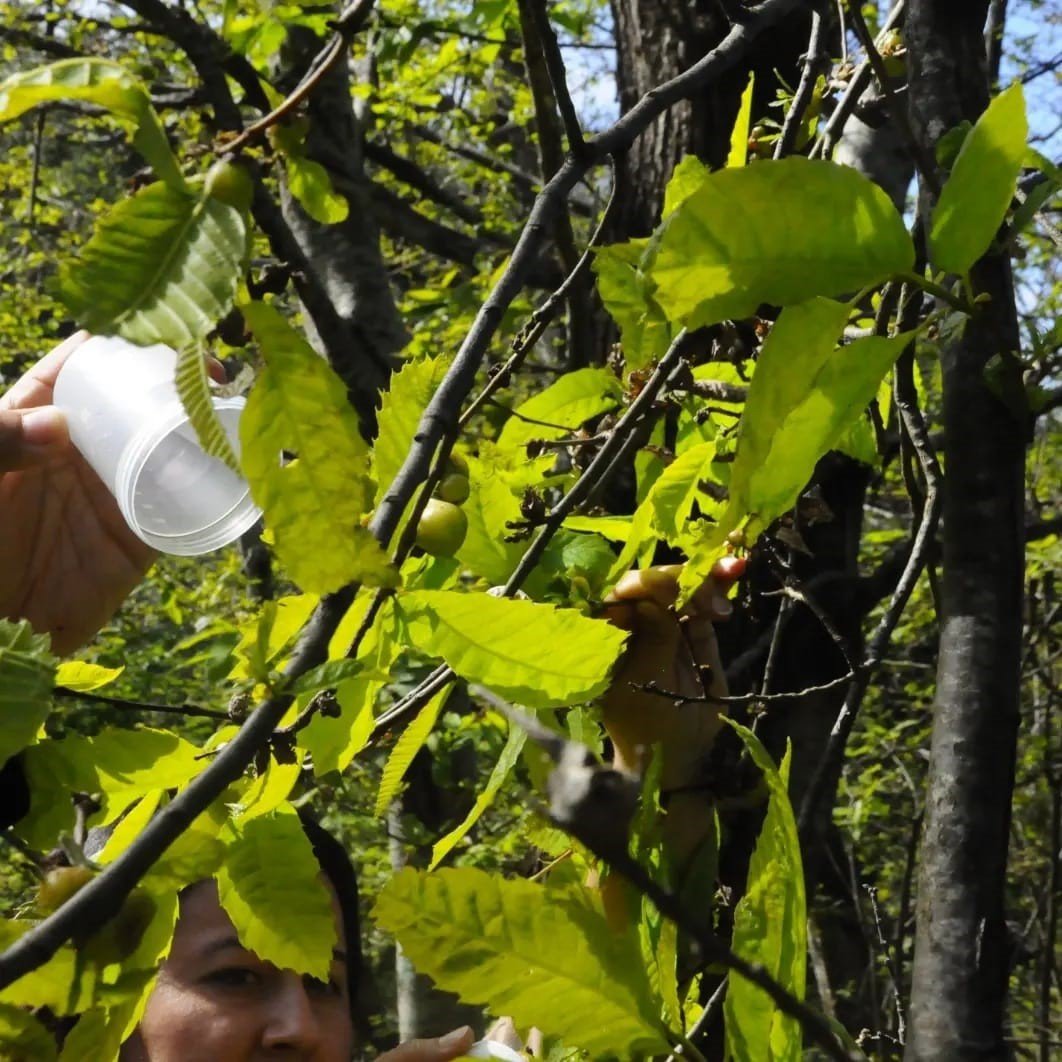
960,961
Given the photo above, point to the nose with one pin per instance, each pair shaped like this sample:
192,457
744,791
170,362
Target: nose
293,1023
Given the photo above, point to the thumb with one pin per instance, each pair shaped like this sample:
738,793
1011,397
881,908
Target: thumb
31,437
452,1045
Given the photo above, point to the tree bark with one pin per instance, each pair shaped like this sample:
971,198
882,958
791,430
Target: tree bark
960,961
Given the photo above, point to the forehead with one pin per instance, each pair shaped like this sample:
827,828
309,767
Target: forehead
202,920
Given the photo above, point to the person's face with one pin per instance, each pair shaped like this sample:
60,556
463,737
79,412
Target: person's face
217,1002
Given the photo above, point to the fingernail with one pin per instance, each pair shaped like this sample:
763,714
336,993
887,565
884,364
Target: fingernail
452,1039
43,427
721,606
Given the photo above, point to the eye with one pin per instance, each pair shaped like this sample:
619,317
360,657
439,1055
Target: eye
234,977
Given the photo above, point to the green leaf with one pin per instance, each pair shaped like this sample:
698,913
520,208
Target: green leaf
270,886
506,761
333,743
975,197
410,390
162,267
837,395
314,504
779,232
688,175
545,957
627,294
62,984
739,136
409,743
23,1038
858,442
490,508
105,84
568,403
84,677
801,342
266,636
770,924
533,653
309,183
194,392
27,669
326,676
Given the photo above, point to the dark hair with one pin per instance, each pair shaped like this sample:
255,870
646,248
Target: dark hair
335,864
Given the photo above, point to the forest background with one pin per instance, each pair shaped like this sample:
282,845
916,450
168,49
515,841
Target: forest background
404,185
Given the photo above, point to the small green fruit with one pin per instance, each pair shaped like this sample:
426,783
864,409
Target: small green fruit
59,884
442,528
288,137
230,183
454,488
456,463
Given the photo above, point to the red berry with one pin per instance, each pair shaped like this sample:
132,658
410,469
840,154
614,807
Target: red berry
729,569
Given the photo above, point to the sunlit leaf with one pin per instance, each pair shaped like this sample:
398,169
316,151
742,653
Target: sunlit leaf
770,924
27,669
84,677
102,83
563,407
162,267
545,957
779,232
534,653
23,1038
313,504
194,392
739,136
410,390
409,743
270,886
309,183
975,197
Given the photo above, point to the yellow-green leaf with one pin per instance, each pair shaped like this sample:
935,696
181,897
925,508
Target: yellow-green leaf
309,183
409,743
194,392
27,669
313,504
103,83
533,653
975,197
84,677
23,1038
770,924
563,407
270,886
546,957
739,136
403,402
778,232
162,267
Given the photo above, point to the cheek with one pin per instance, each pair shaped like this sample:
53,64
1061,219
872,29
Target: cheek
179,1025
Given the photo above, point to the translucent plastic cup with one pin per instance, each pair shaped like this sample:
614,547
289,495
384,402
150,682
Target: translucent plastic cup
493,1049
128,422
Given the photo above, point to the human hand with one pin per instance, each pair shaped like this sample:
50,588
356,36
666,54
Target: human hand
662,653
67,557
452,1045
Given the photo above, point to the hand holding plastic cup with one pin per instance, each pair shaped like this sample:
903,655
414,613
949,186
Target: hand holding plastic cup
127,421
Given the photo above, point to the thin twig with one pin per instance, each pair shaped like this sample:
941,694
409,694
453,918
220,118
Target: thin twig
745,698
557,75
704,1019
816,62
142,706
830,132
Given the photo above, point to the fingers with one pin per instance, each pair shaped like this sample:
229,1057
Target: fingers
32,438
36,386
216,371
452,1045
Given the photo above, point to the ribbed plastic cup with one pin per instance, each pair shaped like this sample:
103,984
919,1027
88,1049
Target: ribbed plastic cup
127,421
493,1049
